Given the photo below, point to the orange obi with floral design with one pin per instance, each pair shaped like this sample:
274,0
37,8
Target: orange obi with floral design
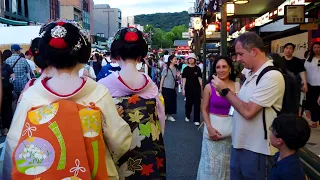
62,140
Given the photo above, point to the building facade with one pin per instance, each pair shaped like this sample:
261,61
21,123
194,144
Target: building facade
128,21
77,10
107,20
39,10
16,10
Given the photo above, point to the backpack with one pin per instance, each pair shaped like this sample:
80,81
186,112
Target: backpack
62,140
146,158
6,85
292,88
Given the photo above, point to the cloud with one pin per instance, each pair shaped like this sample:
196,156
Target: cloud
135,7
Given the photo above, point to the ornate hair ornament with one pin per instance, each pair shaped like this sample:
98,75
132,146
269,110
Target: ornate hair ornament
57,34
131,35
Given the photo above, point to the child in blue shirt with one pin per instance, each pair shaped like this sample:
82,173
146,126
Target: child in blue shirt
288,134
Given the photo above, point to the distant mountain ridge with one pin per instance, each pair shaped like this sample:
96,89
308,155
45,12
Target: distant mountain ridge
164,21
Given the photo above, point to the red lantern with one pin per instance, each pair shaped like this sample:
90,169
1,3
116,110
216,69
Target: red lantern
228,29
228,23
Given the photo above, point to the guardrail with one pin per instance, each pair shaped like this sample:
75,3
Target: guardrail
311,164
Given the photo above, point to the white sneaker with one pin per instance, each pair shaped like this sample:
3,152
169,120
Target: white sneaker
197,123
187,120
170,118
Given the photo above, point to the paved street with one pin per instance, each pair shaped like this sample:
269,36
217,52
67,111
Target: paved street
183,147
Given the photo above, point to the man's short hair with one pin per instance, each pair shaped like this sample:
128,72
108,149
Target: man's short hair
292,129
289,44
250,40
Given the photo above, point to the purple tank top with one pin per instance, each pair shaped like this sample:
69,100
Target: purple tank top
218,105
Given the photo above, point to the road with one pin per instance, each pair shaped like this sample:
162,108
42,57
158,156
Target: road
183,146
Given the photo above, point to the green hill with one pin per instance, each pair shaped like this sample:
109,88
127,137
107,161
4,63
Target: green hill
164,21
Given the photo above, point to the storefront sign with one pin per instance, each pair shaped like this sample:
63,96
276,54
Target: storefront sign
273,14
294,14
281,8
300,40
196,23
185,35
214,35
308,27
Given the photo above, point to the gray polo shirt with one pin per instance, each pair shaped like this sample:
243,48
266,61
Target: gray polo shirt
170,78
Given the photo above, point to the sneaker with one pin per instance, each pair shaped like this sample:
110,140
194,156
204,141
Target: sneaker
187,120
197,123
170,118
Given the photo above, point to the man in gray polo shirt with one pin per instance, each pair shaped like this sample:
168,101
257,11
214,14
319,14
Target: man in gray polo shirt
251,150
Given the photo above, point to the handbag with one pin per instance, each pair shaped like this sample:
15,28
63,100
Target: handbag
222,124
175,79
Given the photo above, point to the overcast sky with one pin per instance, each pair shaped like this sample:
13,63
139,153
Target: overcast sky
135,7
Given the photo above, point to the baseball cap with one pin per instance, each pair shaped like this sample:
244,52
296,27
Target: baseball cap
15,47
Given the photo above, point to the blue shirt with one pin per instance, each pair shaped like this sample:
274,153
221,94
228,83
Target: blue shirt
289,168
107,70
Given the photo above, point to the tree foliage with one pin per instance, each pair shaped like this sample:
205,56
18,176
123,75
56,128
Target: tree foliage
164,21
162,39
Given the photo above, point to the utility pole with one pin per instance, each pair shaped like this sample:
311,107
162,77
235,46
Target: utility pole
224,28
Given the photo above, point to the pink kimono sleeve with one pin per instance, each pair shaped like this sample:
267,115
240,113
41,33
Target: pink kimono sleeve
161,114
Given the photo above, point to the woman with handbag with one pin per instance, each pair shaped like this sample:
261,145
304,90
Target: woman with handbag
216,143
168,87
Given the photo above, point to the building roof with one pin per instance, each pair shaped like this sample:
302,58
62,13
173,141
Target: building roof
14,35
181,43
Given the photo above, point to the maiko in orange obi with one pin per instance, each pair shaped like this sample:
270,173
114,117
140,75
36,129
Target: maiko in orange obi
62,140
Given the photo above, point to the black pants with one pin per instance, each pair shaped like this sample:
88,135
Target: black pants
193,98
312,104
6,110
170,100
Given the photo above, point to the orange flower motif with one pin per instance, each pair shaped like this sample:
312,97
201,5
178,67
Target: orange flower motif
159,162
134,99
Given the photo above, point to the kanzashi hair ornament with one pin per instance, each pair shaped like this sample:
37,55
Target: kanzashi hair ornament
57,34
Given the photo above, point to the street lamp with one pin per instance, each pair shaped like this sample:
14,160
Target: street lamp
240,1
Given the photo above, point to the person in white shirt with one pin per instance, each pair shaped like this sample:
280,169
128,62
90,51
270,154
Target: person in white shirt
252,150
32,65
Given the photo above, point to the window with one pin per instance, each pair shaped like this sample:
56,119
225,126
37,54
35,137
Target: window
76,18
100,34
14,6
7,5
119,26
119,14
19,7
26,11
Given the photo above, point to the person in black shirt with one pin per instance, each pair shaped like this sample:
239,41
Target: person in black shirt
295,65
192,88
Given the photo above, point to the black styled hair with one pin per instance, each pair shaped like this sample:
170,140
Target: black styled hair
166,52
170,58
290,44
129,44
6,54
34,51
292,129
306,54
76,47
312,53
232,76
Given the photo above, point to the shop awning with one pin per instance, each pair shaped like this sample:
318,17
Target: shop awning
12,22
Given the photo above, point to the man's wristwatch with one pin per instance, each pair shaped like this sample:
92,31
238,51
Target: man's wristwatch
224,92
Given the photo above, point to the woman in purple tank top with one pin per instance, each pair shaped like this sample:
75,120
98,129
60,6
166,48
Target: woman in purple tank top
216,143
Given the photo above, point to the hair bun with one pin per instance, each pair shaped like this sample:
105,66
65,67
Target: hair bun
57,34
131,37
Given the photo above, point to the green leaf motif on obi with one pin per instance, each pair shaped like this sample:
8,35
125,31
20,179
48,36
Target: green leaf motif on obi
145,129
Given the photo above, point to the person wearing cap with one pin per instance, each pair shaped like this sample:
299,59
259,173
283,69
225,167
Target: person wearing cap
20,68
192,83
